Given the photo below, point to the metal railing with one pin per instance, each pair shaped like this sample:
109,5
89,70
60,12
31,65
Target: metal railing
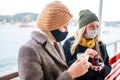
115,44
8,75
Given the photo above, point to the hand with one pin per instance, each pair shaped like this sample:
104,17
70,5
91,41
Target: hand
102,65
78,68
97,68
91,53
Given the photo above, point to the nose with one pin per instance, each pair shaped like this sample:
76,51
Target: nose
66,29
96,27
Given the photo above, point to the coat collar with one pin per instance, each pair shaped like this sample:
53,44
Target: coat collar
56,53
39,36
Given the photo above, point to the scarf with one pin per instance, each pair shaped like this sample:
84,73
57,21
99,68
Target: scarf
87,43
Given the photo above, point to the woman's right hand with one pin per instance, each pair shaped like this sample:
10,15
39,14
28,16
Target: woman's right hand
91,53
78,68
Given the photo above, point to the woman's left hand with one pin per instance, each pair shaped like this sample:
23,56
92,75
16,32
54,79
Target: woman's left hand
98,68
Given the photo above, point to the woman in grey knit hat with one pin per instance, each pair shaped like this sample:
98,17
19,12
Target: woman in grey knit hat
87,37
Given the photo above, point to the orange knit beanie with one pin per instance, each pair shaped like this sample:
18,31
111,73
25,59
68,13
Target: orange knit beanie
53,16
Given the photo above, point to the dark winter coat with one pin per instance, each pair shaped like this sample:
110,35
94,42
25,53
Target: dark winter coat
91,74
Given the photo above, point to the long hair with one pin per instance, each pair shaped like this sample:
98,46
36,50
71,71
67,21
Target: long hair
79,34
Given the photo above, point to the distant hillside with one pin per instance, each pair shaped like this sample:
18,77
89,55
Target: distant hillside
112,23
29,17
21,17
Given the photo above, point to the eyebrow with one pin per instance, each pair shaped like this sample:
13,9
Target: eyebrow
65,26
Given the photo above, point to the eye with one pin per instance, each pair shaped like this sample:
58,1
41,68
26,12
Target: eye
94,27
97,26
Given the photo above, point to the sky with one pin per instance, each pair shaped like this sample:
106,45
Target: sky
110,9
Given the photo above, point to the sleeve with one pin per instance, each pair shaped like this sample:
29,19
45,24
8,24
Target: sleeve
29,64
64,76
106,70
66,48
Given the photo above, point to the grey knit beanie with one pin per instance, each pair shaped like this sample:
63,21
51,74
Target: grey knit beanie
85,17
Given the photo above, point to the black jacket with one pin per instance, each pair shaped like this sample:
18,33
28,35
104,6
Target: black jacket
91,74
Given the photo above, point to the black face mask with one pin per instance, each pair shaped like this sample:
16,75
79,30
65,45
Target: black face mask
58,35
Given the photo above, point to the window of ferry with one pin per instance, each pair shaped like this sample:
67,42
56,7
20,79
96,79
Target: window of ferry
110,26
18,17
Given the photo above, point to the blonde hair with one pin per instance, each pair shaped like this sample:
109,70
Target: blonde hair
79,34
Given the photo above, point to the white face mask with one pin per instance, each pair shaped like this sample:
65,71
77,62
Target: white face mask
91,34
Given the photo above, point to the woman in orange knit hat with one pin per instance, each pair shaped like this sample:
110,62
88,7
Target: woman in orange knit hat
42,57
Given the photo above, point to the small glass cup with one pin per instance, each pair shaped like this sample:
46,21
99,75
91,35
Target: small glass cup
82,56
95,61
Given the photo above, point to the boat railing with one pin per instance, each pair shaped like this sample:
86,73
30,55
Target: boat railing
115,45
8,75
